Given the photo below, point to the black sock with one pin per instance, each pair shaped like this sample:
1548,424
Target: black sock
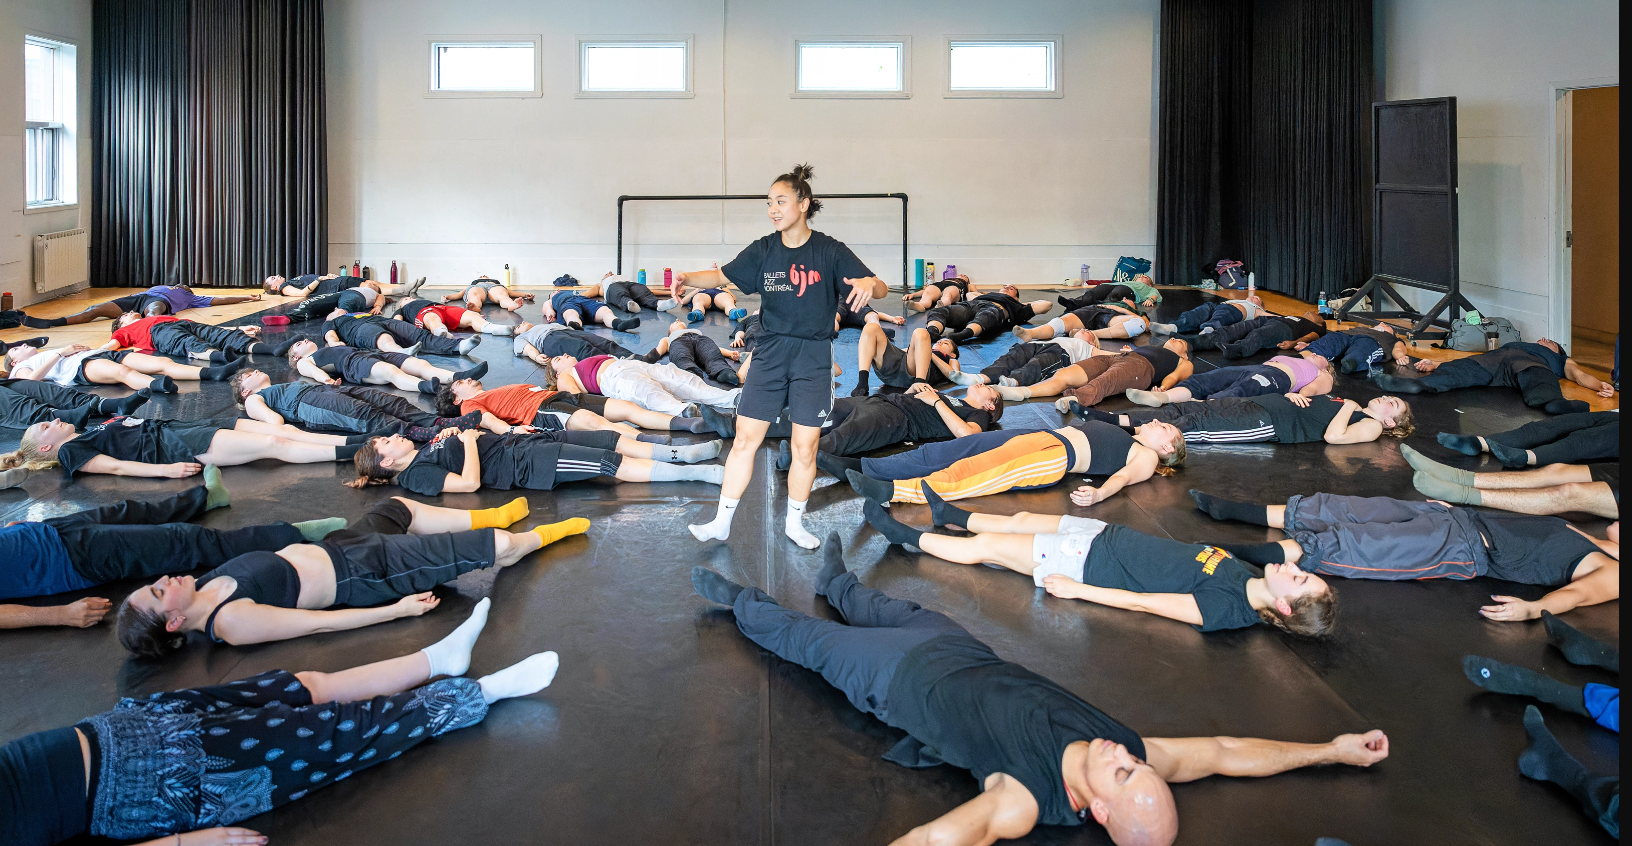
862,387
36,343
963,335
1577,647
1565,406
714,587
876,490
725,425
223,372
259,348
284,348
575,325
1545,760
162,385
75,417
943,512
1087,413
784,456
1465,444
38,323
430,386
1498,677
1511,457
346,452
660,440
832,563
125,405
419,434
1258,553
476,372
625,324
892,529
836,465
1224,509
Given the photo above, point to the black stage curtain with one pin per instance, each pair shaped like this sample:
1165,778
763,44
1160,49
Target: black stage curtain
1264,124
210,153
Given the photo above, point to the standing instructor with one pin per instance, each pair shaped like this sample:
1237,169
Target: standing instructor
800,275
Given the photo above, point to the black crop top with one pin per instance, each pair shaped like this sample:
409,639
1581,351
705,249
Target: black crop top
1108,446
1164,360
264,577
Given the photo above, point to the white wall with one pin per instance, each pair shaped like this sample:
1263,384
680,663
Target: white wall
1498,58
60,20
1010,190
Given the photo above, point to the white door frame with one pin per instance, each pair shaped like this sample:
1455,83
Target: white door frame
1558,203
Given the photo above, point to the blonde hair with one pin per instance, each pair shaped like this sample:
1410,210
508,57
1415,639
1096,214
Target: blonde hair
1169,464
21,458
1404,424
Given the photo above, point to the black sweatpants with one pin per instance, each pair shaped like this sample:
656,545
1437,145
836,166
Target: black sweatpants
1028,363
858,656
1538,385
184,337
376,569
1265,336
359,410
366,334
213,763
1568,438
1096,295
1217,421
136,539
24,402
863,424
315,307
694,353
621,294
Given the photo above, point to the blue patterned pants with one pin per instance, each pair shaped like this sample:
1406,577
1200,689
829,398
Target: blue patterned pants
214,756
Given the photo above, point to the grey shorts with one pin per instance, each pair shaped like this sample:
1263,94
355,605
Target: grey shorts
1065,551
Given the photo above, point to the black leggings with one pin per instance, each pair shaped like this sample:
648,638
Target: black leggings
1568,438
136,539
359,410
184,337
24,402
697,354
1538,385
1028,363
621,294
1096,295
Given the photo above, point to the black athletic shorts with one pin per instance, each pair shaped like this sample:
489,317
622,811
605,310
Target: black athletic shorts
952,317
593,402
791,373
195,439
358,369
390,517
892,370
116,356
1609,474
383,568
576,463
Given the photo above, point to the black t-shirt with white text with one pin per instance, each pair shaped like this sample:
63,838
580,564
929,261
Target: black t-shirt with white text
524,461
799,288
131,439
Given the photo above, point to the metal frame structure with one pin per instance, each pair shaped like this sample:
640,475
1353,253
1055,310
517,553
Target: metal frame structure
906,278
1382,285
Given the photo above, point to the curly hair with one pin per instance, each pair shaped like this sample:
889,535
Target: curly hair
447,405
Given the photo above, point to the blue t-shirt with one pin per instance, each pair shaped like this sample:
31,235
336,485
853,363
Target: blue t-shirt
36,563
799,288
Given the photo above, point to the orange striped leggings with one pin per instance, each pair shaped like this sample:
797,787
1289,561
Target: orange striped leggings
1036,460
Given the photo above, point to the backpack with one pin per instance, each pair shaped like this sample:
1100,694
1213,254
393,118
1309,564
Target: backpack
1230,274
1128,267
1470,337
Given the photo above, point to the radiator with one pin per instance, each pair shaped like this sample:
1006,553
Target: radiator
61,259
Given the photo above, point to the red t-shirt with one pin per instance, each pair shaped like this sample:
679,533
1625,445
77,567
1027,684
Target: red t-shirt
140,333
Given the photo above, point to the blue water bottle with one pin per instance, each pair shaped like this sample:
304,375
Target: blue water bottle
1320,305
641,277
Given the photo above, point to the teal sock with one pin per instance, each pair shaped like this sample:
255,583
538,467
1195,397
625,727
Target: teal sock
316,530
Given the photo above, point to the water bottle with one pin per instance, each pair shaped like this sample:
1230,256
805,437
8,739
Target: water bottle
929,272
951,272
357,268
507,276
1252,284
1085,275
393,271
641,276
668,278
1320,305
5,301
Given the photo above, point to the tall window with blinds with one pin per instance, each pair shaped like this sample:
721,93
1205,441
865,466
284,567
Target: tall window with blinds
49,110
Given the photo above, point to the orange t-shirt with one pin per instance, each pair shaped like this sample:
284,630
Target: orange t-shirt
514,404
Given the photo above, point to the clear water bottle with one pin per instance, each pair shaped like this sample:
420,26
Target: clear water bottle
1085,274
1320,305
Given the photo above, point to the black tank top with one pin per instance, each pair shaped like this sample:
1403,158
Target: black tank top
1294,425
1164,360
1108,446
264,577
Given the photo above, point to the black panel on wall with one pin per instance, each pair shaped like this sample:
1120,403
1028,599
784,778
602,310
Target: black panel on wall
209,162
1264,124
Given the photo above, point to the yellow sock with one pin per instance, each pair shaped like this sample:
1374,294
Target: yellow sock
566,528
498,518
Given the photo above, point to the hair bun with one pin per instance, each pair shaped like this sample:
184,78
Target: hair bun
804,171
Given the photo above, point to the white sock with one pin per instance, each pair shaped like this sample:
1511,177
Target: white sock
531,675
496,329
450,656
720,527
469,344
963,378
796,526
665,305
410,349
442,332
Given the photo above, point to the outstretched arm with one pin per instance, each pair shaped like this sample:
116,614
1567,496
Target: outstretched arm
1601,585
1005,810
1142,467
1180,759
83,614
1574,373
1174,606
251,622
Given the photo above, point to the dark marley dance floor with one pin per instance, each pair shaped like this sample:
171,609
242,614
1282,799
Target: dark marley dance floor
665,725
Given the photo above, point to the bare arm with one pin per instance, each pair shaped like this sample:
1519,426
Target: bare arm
1005,810
257,409
219,836
954,424
1574,373
1140,468
1174,606
1185,370
1181,759
82,614
1601,585
114,467
333,337
494,424
38,371
242,623
1340,432
470,478
310,370
1321,384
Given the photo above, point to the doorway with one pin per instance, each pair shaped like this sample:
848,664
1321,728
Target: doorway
1594,236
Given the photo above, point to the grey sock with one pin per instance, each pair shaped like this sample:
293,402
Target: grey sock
713,474
1424,464
1434,487
316,530
687,453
